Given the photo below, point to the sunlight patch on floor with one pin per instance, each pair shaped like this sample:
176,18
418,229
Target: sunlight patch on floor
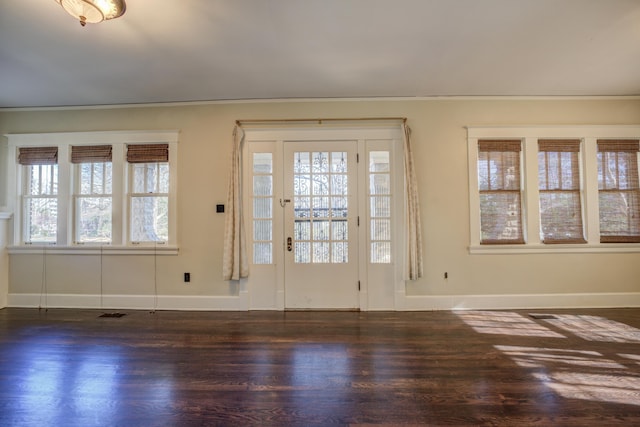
505,323
612,388
595,328
535,357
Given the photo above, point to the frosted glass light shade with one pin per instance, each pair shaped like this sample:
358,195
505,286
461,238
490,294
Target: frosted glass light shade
93,11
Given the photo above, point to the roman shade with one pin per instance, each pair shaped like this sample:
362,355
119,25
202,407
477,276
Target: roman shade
38,155
90,153
147,153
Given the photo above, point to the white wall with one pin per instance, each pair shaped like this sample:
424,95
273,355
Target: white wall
440,150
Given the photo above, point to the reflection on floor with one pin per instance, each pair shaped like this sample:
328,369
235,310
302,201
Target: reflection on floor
603,376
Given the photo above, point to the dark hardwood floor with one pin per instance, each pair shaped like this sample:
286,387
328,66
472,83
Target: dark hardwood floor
73,368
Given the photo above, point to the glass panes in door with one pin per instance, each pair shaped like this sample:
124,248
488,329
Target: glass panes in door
380,207
321,208
262,208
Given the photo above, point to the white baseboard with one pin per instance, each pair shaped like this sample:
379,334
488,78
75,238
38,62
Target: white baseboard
403,302
525,301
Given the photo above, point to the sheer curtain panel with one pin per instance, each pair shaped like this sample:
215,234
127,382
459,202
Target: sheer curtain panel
235,263
414,266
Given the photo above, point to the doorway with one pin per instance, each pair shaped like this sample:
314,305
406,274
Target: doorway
320,220
323,209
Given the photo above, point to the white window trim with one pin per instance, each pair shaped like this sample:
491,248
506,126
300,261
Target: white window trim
64,140
530,194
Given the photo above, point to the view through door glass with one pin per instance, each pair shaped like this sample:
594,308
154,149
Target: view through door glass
321,269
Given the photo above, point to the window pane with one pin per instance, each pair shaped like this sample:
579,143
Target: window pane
320,207
262,208
339,162
150,178
320,162
302,207
262,253
320,185
149,219
85,177
339,207
619,213
381,207
339,230
301,163
262,163
320,252
379,161
302,252
42,180
339,184
380,229
42,220
321,230
561,216
163,178
262,185
261,229
500,215
339,252
302,230
94,222
139,177
381,252
380,184
302,185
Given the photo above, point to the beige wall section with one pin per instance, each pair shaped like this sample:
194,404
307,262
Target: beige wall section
440,151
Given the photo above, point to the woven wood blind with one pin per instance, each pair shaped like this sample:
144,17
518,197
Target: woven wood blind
559,189
491,145
619,191
500,194
38,155
90,153
147,153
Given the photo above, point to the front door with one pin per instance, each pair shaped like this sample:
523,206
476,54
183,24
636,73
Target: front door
320,219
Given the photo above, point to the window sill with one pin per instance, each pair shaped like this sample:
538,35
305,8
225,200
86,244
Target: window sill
94,250
578,248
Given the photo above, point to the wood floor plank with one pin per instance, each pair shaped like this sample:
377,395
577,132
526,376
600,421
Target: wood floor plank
73,368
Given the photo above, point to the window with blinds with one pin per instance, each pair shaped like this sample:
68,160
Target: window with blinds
618,191
93,193
499,180
40,193
560,191
148,192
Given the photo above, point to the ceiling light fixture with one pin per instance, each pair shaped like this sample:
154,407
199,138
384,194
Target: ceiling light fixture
93,11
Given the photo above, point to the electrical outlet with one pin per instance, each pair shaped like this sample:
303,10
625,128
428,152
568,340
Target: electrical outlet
187,277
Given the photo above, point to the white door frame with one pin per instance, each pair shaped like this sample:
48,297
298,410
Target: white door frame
381,284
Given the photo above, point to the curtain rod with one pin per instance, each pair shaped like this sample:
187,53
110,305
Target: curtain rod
321,120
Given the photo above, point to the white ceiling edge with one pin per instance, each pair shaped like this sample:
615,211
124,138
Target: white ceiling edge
318,100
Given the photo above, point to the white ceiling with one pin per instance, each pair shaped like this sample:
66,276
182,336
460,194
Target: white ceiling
203,50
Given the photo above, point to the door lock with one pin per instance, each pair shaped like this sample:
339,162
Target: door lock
289,244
